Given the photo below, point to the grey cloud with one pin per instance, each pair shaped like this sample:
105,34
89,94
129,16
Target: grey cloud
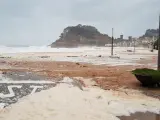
16,8
39,22
128,17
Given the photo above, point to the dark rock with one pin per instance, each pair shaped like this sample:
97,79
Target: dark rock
129,51
44,56
152,50
4,57
84,66
3,62
72,56
4,72
99,55
117,57
77,63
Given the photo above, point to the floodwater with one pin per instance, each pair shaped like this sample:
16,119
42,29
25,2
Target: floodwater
141,116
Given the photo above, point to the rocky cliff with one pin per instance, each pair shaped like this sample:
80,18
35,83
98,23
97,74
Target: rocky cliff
151,33
81,35
151,36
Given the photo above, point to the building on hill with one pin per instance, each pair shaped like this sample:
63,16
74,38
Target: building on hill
85,35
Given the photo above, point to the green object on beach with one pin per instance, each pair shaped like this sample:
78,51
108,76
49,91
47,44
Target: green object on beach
148,77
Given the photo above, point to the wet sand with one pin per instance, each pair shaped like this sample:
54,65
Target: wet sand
120,93
141,116
105,77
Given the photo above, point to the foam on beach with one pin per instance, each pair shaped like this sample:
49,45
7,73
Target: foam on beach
82,54
68,102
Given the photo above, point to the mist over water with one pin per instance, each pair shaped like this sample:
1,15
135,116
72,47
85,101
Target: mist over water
26,49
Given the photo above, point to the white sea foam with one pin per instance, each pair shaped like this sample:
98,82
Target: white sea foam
70,103
83,54
5,49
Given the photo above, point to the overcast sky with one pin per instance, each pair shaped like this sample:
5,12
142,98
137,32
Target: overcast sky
40,22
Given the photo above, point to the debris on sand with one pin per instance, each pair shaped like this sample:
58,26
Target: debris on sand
72,56
44,56
129,51
117,57
99,55
77,63
4,57
4,72
3,62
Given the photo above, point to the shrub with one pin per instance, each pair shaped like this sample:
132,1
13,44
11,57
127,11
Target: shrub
148,77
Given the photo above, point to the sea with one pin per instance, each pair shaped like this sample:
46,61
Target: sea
27,49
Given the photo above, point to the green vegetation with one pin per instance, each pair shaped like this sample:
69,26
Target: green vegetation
148,77
82,30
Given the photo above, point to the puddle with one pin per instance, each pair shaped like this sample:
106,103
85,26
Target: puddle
141,116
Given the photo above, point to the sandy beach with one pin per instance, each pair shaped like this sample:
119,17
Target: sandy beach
80,60
79,83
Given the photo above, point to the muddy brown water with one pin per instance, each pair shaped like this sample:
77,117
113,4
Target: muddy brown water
141,116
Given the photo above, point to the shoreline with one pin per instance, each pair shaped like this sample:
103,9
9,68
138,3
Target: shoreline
104,76
76,81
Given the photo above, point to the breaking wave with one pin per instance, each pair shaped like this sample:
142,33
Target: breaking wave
23,49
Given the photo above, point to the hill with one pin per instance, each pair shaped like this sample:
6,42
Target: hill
81,35
151,33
